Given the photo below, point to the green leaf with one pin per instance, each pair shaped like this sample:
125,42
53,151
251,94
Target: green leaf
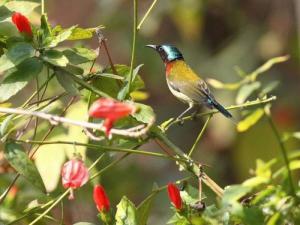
24,7
17,80
266,66
234,193
66,81
61,36
245,91
144,114
4,13
15,55
137,82
80,55
126,213
18,159
144,208
270,87
108,75
219,85
55,58
81,33
7,29
250,120
274,219
46,31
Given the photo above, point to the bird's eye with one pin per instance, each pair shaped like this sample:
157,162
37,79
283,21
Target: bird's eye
160,49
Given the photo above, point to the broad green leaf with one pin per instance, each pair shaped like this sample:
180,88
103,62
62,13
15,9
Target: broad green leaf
245,91
15,55
18,159
4,13
6,124
76,70
18,79
126,213
62,36
144,114
24,7
144,208
55,57
81,33
219,85
250,120
234,193
252,216
7,28
66,81
80,55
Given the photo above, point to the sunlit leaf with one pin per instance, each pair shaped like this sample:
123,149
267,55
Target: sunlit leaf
126,213
144,114
24,7
219,85
250,120
139,95
55,58
18,159
82,33
62,36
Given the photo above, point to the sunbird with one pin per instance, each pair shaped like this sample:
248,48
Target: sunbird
184,83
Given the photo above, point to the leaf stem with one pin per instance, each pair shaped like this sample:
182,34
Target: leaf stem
146,15
199,136
135,12
283,153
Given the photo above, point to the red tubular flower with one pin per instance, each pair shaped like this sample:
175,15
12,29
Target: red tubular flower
174,195
101,199
110,110
74,175
21,23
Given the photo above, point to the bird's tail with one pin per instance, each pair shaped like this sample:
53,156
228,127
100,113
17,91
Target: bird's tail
220,108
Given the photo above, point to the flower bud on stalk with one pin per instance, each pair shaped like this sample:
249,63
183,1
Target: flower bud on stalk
74,175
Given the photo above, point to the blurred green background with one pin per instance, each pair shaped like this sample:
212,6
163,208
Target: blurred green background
215,36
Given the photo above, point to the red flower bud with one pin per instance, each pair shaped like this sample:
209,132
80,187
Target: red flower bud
74,175
110,110
174,195
22,23
101,199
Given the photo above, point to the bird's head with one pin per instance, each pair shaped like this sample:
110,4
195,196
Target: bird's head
167,52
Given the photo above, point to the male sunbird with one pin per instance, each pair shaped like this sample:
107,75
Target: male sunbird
184,83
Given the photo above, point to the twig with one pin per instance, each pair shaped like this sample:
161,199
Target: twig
166,125
199,136
135,12
283,152
55,120
146,15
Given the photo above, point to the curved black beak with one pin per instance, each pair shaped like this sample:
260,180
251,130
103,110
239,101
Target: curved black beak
152,46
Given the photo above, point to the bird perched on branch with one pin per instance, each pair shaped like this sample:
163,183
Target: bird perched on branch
184,83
